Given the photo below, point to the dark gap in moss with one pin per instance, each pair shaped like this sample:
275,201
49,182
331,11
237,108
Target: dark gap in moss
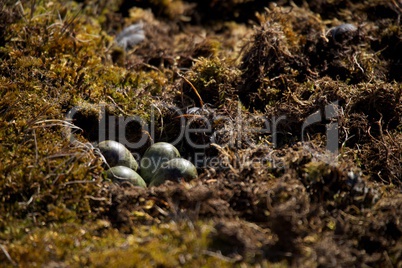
370,244
9,14
328,9
126,5
382,10
392,230
210,11
89,123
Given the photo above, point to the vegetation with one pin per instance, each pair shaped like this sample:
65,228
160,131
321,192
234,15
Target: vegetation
269,193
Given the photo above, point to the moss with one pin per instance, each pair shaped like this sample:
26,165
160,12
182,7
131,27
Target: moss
51,62
265,195
271,61
97,244
213,79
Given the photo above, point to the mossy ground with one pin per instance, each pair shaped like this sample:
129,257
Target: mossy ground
261,205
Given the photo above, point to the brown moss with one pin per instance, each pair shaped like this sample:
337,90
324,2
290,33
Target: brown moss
271,61
382,157
213,79
265,196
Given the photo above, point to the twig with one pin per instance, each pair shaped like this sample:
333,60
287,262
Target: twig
19,4
100,199
161,115
78,182
8,255
117,106
55,122
218,255
358,65
36,146
193,87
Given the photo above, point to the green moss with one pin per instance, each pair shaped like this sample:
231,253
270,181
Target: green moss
214,80
54,63
56,207
99,245
51,62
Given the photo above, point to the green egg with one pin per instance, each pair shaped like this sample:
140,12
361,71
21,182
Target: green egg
116,154
121,174
154,157
174,170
